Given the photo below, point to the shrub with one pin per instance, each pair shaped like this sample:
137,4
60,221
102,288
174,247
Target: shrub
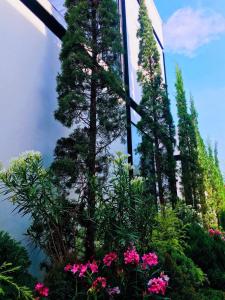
168,231
13,252
32,188
9,289
185,276
208,252
125,214
117,276
14,262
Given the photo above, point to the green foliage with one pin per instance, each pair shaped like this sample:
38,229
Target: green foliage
208,253
222,219
168,232
125,215
89,90
32,189
14,253
156,126
187,214
15,280
210,180
9,289
187,146
205,294
61,284
185,277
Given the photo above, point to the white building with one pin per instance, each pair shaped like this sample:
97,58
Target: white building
30,33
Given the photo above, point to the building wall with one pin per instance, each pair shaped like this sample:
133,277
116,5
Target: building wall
28,68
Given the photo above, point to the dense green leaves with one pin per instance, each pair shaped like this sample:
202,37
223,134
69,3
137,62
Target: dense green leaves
125,213
187,146
89,88
156,126
32,189
15,280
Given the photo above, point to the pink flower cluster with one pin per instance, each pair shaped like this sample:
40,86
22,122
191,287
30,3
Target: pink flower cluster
131,256
109,258
213,232
100,282
155,285
82,268
41,289
158,285
149,260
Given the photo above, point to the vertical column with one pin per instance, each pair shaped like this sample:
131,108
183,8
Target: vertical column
126,81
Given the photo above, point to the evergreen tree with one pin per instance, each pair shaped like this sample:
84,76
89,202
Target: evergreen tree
215,191
156,126
187,145
210,186
88,103
202,161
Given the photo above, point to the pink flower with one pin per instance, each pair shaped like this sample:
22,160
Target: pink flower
131,256
113,291
83,270
44,292
150,259
217,232
100,282
41,289
213,232
68,268
39,286
157,286
74,269
109,258
94,267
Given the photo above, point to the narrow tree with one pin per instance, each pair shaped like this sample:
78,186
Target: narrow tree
88,103
187,145
210,184
157,146
201,165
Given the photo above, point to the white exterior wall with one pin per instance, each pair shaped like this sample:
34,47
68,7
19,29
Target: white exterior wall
28,68
132,11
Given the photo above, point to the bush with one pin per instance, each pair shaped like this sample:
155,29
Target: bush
14,262
208,253
168,232
211,294
124,275
61,284
185,276
125,214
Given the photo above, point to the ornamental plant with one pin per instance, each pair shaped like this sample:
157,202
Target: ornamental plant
41,291
126,275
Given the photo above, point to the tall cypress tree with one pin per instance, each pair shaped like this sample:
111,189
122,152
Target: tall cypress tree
201,164
157,146
215,192
88,103
187,145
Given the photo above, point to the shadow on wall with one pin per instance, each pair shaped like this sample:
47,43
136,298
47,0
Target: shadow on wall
29,65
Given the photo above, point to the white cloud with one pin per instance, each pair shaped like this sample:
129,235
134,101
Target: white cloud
188,29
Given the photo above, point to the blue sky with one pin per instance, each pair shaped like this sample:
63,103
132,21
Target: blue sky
194,32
